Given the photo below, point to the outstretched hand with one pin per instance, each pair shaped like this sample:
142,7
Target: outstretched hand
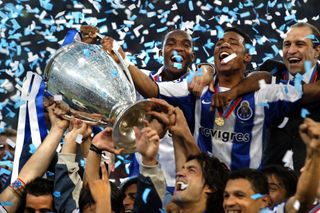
147,144
310,134
103,140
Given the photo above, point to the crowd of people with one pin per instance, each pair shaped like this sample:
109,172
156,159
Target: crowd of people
216,144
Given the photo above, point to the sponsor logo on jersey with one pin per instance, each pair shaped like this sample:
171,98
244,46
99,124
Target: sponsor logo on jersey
224,135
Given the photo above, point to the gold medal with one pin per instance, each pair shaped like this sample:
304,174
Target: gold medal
219,121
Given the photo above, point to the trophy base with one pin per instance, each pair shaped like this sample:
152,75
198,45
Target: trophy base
134,115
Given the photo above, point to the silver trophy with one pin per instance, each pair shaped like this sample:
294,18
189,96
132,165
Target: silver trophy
95,87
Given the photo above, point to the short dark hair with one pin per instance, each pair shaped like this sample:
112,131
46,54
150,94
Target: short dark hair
247,39
215,174
176,30
85,198
39,186
258,181
315,32
286,175
129,182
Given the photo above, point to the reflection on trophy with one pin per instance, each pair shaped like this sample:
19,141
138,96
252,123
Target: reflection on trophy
90,81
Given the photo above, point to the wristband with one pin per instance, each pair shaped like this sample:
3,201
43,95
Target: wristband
127,62
95,149
18,187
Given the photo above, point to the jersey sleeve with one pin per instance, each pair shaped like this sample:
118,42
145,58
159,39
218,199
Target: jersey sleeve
278,100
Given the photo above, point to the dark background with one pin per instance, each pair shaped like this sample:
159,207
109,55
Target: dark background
30,31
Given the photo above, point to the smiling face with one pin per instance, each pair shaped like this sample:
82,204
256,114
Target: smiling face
190,185
237,198
297,49
178,53
277,190
231,43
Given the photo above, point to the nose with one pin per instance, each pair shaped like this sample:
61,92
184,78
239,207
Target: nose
225,44
229,201
127,201
292,49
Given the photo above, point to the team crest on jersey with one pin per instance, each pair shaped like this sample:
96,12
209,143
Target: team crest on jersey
244,111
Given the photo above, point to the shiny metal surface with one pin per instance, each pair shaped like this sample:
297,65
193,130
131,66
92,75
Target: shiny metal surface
91,82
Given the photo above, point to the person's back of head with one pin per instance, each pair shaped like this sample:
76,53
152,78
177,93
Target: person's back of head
215,174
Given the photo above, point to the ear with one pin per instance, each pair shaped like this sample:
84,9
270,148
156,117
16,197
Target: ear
266,201
208,190
160,52
193,57
317,49
247,58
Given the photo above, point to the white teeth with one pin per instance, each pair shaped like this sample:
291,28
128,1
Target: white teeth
182,186
294,60
224,54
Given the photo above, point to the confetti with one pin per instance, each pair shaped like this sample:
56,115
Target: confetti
145,195
56,194
304,113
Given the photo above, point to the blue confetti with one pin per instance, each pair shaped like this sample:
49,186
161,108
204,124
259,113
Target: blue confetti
308,67
145,195
304,113
117,164
200,71
82,163
32,149
256,196
114,73
86,53
245,14
56,194
190,6
264,104
5,171
177,65
190,77
6,203
50,174
6,163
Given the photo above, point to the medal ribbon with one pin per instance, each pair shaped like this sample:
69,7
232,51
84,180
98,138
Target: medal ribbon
230,108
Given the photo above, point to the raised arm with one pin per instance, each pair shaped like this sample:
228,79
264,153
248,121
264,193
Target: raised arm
101,142
183,141
39,161
67,180
142,82
308,182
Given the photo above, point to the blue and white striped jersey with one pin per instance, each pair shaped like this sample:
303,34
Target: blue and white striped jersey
240,141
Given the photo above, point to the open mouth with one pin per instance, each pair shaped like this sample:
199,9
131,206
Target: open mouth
181,186
128,210
223,55
176,58
233,211
294,60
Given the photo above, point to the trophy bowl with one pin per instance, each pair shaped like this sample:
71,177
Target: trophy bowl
92,83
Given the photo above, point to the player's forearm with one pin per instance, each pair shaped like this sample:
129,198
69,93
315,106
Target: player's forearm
92,167
307,184
251,83
143,83
40,160
179,152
